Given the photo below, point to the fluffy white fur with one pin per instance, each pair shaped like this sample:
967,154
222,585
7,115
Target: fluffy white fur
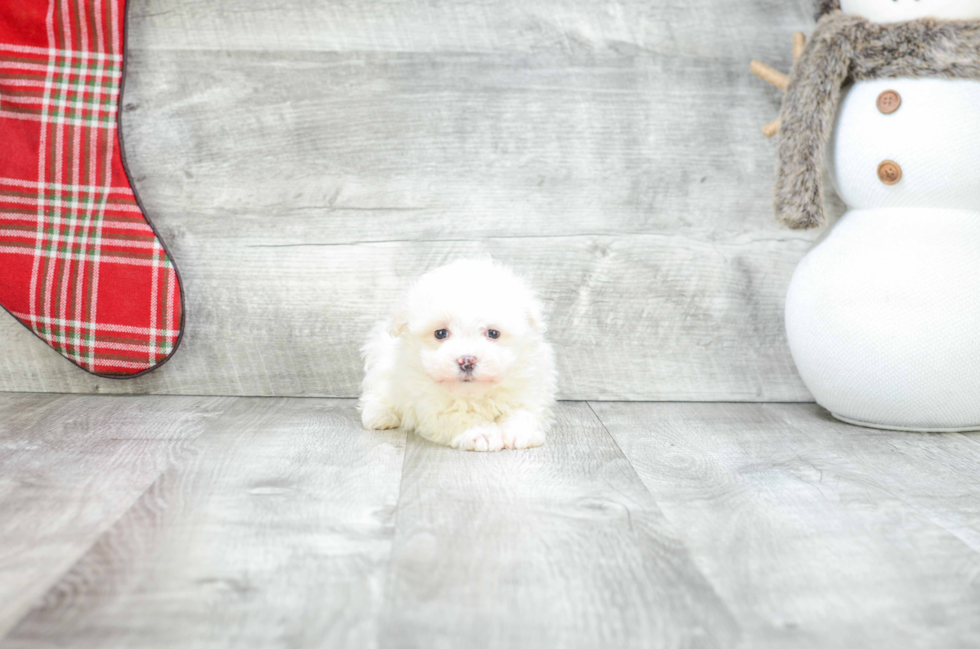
467,390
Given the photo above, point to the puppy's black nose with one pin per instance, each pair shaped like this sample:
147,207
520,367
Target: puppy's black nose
466,363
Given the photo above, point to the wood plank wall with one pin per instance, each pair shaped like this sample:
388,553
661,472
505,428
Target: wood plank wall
305,159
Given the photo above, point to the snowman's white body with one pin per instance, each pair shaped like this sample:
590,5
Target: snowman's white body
883,315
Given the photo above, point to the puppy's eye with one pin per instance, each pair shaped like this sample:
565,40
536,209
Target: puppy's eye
442,333
493,334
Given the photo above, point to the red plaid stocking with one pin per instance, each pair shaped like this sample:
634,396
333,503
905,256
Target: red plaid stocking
80,266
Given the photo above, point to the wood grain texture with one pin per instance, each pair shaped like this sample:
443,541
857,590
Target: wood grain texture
69,467
560,546
201,522
350,147
274,530
813,532
304,160
617,317
707,28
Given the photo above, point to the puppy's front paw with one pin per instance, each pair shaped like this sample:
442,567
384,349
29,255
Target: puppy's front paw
522,431
479,438
378,418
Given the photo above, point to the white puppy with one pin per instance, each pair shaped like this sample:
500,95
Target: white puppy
462,361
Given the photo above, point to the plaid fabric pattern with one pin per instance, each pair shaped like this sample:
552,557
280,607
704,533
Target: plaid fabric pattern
79,263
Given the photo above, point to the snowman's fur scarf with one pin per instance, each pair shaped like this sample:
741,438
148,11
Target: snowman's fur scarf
847,48
826,6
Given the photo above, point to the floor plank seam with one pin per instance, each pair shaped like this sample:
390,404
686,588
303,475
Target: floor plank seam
111,525
389,574
926,515
60,577
672,525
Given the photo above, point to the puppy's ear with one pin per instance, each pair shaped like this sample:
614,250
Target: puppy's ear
535,318
397,324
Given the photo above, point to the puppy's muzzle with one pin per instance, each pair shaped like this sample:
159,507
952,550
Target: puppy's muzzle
466,364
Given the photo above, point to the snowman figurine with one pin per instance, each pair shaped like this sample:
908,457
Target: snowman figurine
883,314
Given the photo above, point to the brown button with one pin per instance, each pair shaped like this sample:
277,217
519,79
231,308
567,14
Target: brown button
889,101
889,172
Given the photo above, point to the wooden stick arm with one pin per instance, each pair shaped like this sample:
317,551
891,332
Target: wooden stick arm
772,127
777,78
799,44
773,76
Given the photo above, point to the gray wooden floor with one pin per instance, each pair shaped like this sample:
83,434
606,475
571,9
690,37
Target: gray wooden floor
144,522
